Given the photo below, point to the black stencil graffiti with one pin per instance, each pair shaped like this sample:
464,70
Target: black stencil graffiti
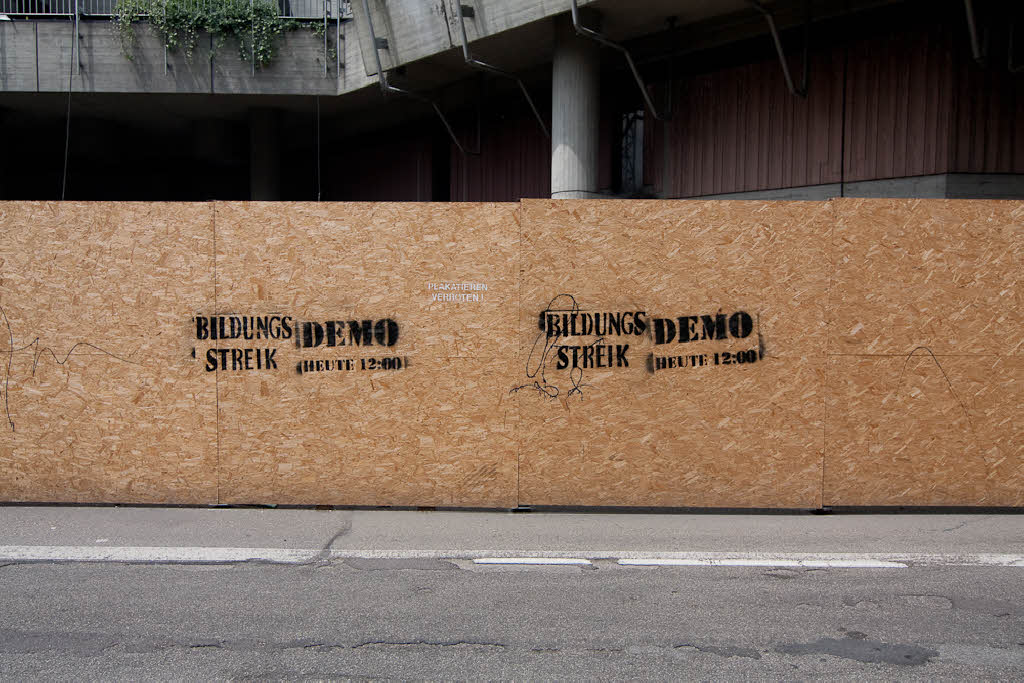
547,347
327,335
37,352
690,328
714,327
347,333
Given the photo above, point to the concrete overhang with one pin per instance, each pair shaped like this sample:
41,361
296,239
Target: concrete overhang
423,50
423,40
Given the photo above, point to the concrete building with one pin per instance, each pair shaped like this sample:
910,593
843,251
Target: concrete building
479,100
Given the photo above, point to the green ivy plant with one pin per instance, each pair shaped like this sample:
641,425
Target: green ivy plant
255,26
126,13
318,28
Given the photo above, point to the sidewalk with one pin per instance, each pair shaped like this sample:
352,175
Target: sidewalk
152,534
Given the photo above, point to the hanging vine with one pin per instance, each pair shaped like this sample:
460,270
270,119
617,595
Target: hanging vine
320,31
126,13
255,26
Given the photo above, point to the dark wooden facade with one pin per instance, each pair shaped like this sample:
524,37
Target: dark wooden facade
906,102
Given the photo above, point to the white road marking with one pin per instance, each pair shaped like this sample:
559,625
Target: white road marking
212,555
530,560
45,553
821,560
763,562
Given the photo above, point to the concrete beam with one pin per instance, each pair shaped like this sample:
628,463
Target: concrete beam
413,30
36,56
494,16
923,187
297,69
937,186
104,68
18,66
416,30
353,75
985,186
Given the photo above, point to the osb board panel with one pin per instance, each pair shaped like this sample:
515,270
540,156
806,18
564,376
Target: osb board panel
102,399
926,333
941,274
719,434
438,431
920,429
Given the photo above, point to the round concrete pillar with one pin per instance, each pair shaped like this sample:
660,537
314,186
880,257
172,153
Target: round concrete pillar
575,112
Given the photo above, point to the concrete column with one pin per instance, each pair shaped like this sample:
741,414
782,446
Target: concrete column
264,155
575,111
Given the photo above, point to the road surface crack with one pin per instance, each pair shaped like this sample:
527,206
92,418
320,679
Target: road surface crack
964,523
426,643
726,651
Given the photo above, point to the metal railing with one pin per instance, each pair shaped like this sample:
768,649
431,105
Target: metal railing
288,9
38,8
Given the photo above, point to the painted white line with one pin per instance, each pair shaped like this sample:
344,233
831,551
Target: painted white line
193,554
530,560
820,560
762,562
43,553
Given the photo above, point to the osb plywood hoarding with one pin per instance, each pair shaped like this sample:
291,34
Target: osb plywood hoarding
672,353
102,400
926,338
765,354
392,367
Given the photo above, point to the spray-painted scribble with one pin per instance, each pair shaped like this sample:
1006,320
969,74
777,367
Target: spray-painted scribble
38,350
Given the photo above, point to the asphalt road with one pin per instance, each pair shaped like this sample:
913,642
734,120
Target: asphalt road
397,594
439,619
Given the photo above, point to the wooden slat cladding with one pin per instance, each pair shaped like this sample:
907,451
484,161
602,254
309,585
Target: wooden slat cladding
899,92
515,161
988,118
740,129
904,101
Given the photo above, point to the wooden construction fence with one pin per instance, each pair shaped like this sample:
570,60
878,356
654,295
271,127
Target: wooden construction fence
591,352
